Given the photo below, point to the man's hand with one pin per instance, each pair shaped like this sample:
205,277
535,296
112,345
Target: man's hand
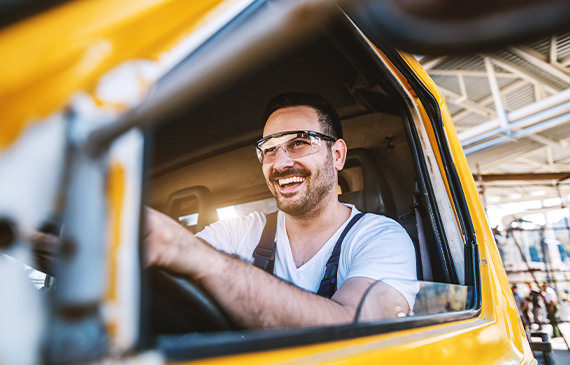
165,240
171,246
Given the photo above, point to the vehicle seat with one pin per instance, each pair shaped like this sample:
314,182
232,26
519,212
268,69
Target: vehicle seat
375,195
200,198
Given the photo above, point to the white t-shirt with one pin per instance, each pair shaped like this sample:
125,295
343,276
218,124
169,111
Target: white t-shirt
549,295
376,247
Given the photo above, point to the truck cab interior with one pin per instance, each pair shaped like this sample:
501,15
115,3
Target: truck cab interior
204,168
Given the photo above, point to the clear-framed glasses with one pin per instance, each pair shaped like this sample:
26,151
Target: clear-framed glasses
296,144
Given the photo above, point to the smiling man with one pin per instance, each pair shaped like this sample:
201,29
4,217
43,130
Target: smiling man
317,256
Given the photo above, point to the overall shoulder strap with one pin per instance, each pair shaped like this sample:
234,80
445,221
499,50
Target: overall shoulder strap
328,283
264,254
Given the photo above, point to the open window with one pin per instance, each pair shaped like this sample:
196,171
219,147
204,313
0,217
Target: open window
205,168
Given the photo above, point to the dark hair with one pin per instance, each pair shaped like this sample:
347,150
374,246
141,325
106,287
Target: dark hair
328,117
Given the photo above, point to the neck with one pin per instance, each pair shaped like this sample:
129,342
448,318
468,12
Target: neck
308,234
326,218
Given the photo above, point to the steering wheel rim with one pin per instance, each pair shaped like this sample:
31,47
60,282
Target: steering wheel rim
183,305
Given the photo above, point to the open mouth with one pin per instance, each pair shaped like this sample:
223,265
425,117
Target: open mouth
291,181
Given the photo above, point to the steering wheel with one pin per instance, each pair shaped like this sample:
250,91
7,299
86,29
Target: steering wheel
178,306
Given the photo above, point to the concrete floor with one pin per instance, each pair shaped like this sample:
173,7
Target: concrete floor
559,348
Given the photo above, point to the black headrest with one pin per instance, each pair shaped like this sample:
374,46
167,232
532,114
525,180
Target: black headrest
206,212
375,197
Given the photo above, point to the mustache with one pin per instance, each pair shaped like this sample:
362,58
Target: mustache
293,171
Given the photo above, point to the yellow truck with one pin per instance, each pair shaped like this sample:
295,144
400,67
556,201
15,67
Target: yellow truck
107,106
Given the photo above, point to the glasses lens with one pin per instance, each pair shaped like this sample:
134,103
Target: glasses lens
302,146
296,145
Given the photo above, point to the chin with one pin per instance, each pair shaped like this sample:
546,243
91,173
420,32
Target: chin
291,207
298,207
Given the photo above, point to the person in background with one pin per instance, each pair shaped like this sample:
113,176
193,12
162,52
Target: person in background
522,305
534,299
551,302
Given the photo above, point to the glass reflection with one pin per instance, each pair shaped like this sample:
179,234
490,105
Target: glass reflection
383,300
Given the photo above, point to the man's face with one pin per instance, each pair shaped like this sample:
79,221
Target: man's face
299,185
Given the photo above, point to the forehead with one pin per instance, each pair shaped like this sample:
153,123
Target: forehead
297,118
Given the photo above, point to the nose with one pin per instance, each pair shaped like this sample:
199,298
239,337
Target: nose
282,159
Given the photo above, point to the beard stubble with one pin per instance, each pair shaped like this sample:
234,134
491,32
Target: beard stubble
307,202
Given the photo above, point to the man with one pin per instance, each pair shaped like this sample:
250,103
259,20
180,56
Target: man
534,299
551,301
301,154
522,306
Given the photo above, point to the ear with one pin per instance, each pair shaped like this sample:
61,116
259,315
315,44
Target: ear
339,151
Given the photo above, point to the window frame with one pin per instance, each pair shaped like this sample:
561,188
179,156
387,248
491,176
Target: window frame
14,11
240,342
431,106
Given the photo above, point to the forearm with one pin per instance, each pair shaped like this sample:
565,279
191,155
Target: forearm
252,297
249,295
256,299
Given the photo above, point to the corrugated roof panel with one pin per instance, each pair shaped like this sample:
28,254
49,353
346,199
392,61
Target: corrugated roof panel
506,156
521,97
560,132
558,152
477,88
450,83
505,81
469,62
531,69
470,120
563,46
541,45
499,69
453,108
507,151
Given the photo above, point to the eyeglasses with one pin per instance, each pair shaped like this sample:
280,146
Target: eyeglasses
296,144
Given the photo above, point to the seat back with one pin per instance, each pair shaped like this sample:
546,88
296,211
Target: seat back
375,195
207,214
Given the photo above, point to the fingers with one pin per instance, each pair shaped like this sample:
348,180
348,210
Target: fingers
155,223
152,237
164,240
148,220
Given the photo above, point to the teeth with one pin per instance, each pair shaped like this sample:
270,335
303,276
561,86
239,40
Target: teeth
289,180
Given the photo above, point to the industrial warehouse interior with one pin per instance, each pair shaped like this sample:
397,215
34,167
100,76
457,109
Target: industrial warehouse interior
511,110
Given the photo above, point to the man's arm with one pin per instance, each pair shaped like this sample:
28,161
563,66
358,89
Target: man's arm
252,297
